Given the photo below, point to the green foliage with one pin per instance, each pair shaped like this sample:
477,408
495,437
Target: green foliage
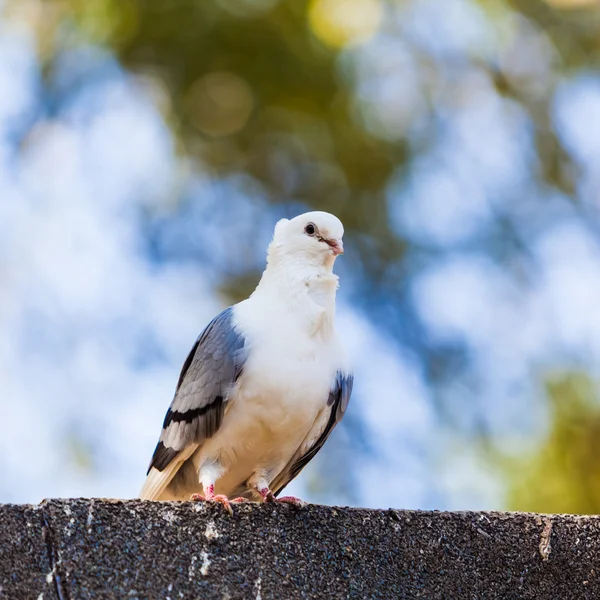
300,117
563,473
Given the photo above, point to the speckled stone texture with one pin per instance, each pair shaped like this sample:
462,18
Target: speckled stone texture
24,558
103,549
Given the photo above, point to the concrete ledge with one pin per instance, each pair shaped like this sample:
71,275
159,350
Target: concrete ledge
91,548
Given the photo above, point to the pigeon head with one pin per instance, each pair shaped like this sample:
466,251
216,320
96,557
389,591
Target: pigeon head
315,237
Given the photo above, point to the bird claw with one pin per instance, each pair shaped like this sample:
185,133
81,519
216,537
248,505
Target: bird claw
224,500
267,496
291,500
219,498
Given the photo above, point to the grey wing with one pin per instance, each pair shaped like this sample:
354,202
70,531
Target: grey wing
337,403
208,375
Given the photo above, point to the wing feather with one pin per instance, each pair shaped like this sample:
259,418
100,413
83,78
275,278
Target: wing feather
205,383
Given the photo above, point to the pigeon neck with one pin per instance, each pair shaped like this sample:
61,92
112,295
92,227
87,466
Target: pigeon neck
300,264
295,271
309,289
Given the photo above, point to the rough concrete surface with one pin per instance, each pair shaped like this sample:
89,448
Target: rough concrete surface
92,548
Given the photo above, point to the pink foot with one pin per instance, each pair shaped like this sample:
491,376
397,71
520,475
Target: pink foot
266,494
239,500
291,500
211,497
224,500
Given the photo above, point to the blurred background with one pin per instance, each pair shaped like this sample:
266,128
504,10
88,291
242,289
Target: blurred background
147,148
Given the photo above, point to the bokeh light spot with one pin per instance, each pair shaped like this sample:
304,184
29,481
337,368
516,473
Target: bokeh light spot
339,23
219,104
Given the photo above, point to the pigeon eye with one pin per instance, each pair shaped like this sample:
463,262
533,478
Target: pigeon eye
310,229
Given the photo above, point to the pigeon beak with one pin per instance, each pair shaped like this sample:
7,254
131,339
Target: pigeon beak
337,247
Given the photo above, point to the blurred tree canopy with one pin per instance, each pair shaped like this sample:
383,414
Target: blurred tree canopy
262,87
254,87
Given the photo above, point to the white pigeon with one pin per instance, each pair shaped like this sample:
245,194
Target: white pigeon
265,383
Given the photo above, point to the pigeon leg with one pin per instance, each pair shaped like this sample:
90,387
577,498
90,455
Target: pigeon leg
259,484
220,498
207,476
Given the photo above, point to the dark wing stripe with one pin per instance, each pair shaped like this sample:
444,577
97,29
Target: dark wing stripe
339,397
207,377
174,416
